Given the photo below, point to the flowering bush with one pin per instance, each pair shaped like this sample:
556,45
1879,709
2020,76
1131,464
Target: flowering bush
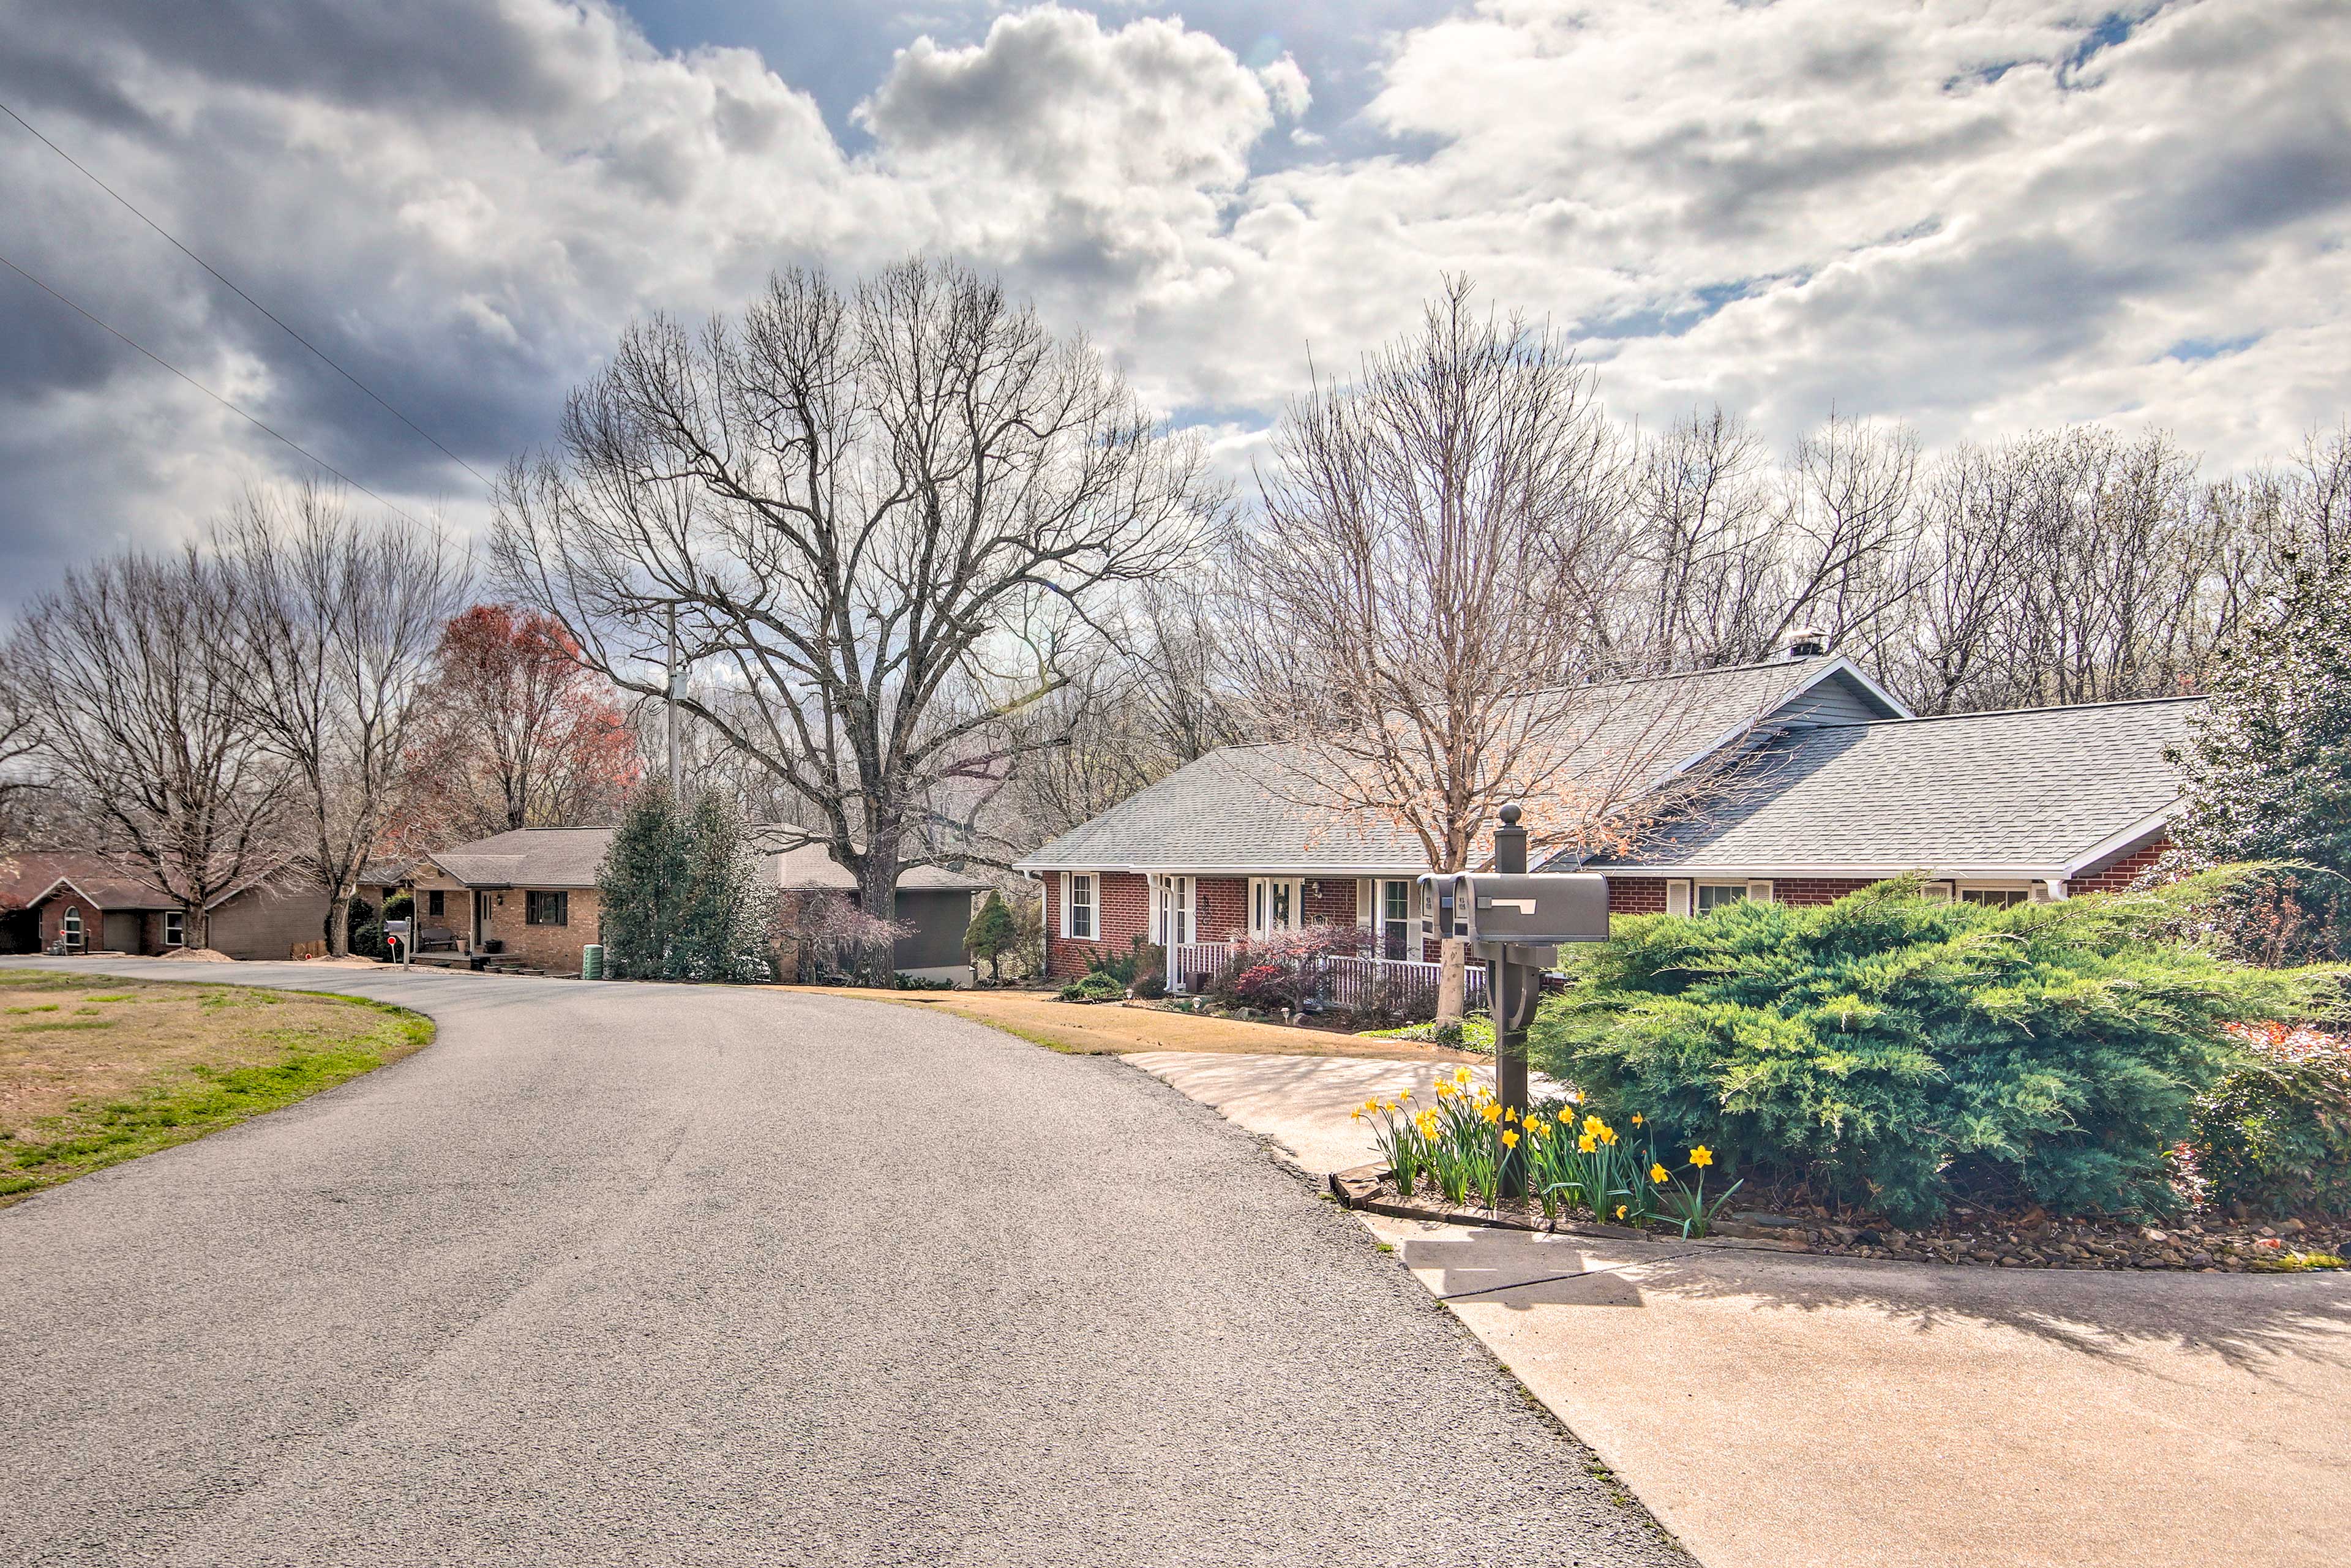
1282,972
1463,1140
2274,1135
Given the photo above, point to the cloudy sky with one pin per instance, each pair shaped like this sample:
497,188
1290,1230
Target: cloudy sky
1975,215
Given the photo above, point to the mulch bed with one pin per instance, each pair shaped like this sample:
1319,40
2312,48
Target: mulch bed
2030,1239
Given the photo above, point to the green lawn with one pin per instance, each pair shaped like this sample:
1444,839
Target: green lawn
95,1069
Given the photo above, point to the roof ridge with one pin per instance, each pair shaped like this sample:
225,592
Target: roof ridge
2013,712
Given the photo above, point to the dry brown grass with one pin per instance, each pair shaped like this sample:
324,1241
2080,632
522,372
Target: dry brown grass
95,1069
1113,1029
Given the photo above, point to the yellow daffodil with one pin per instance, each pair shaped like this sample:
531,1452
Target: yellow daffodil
1492,1112
1567,1118
1620,1211
1636,1118
1701,1157
1460,1075
1592,1124
1658,1174
1575,1096
1608,1136
1356,1114
1510,1139
1510,1112
1408,1094
1585,1143
1536,1129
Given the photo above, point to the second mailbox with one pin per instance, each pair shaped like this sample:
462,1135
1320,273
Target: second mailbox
1532,909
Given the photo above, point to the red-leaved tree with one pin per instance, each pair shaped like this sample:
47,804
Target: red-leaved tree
515,733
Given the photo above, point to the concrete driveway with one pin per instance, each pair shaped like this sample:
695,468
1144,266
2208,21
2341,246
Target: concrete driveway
1783,1411
617,1273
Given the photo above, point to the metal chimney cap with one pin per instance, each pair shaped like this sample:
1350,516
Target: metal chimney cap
1807,642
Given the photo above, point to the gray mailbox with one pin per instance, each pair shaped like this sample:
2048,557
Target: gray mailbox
1525,909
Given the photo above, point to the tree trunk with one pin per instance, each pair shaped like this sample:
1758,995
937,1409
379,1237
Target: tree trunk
877,896
339,925
1453,980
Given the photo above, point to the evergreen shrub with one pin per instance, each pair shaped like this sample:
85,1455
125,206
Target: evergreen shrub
2274,1135
1899,1052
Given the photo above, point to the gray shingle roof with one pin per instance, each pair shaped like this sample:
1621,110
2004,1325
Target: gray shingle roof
571,857
1251,809
2035,791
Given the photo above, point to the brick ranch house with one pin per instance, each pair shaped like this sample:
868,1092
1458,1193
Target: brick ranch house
532,891
1837,785
78,902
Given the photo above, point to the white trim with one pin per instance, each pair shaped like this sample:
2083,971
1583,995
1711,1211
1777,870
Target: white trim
181,917
1759,892
1094,905
1678,893
2114,843
1193,868
1366,899
1261,919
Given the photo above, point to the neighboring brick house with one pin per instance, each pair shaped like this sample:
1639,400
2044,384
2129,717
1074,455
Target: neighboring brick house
529,894
532,892
1835,786
76,902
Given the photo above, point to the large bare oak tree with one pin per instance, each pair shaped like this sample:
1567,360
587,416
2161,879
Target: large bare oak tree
876,513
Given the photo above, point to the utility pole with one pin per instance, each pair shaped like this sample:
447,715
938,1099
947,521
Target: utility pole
670,697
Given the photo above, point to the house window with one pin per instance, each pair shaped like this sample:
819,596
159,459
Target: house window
1714,895
1995,897
1395,920
1173,925
1274,902
72,929
436,903
1078,919
175,928
541,908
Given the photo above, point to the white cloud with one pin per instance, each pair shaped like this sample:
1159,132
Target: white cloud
1975,216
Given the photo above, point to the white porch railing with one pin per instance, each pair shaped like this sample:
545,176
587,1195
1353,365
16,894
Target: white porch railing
1345,982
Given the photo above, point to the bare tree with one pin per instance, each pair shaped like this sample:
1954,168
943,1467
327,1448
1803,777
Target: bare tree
336,642
130,678
1414,608
877,515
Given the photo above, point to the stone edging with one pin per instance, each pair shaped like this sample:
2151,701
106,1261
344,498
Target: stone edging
2193,1250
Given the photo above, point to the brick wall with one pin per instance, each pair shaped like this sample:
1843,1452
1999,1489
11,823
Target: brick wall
1220,908
53,921
2115,874
1637,895
1122,914
553,947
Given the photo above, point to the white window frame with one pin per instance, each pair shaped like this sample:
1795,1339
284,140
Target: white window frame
2015,892
175,928
70,929
1174,910
1698,890
1261,904
1070,883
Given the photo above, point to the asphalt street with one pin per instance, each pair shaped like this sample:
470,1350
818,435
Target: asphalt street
647,1274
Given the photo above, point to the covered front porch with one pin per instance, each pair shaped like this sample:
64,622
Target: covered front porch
1204,922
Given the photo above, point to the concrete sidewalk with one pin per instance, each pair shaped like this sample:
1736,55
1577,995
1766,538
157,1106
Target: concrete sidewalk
1788,1411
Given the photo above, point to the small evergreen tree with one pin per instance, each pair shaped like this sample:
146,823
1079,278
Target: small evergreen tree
2268,767
992,933
642,887
727,922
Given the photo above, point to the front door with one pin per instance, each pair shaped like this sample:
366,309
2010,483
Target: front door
479,903
1273,906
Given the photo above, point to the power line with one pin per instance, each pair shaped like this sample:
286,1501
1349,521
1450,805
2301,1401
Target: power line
241,294
200,386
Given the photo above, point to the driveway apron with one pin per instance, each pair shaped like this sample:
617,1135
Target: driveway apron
621,1273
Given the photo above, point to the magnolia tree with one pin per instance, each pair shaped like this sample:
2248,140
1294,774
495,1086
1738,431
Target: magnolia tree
1418,607
875,517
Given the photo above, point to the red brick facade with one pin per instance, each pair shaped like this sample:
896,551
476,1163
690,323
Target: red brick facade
1815,889
2114,876
1220,913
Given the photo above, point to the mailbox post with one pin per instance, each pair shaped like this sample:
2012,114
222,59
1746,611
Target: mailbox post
1515,922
